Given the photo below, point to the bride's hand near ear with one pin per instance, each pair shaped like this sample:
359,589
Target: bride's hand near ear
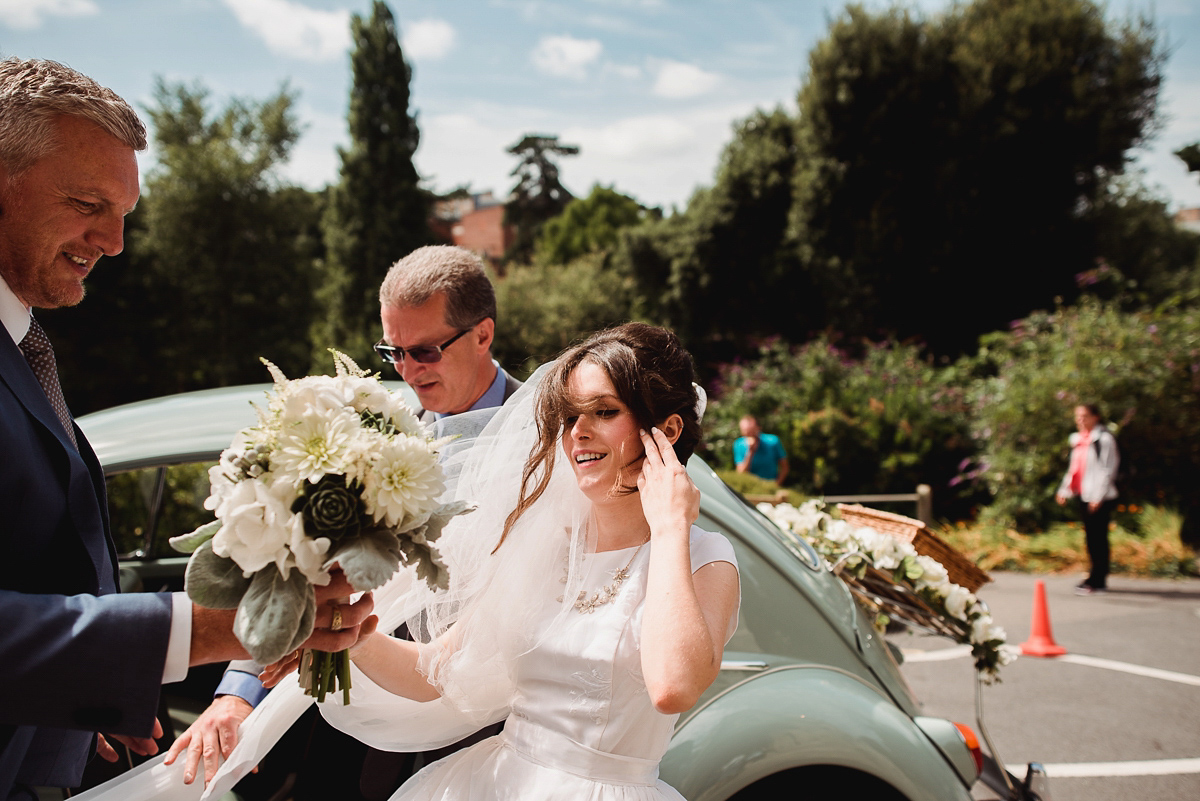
669,498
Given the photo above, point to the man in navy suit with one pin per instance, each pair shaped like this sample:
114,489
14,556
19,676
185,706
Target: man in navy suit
76,657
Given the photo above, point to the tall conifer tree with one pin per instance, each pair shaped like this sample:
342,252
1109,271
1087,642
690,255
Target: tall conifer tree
377,212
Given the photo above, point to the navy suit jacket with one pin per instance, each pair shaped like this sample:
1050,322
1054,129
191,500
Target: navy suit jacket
75,657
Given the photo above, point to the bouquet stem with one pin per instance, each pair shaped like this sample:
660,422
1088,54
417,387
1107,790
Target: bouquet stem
322,673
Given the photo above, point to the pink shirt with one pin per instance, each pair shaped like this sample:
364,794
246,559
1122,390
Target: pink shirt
1079,461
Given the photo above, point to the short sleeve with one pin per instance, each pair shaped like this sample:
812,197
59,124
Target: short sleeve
780,453
708,547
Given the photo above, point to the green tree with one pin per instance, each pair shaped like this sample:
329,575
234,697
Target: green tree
590,225
377,212
1190,156
723,271
945,163
1142,369
543,308
122,365
227,249
1144,258
538,194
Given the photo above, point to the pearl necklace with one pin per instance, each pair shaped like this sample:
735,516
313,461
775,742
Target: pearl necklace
608,592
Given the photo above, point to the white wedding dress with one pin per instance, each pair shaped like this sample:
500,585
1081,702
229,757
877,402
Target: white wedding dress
581,725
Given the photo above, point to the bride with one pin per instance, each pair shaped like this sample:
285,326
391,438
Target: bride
585,607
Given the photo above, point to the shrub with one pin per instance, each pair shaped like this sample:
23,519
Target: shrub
883,422
543,308
1142,369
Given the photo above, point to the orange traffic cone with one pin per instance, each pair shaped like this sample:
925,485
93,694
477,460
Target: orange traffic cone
1041,641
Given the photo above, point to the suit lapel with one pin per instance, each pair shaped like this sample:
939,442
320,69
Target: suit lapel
84,480
15,372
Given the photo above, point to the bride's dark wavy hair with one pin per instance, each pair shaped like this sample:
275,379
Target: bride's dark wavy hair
653,375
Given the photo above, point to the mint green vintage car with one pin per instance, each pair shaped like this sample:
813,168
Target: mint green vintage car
809,701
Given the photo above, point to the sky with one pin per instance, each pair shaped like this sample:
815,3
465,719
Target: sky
649,89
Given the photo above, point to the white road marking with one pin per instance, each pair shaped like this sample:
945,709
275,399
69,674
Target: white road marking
1125,667
1147,767
939,655
961,651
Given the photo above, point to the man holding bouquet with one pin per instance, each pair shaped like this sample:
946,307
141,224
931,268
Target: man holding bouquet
78,657
438,311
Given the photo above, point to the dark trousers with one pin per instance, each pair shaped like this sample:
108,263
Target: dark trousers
1095,529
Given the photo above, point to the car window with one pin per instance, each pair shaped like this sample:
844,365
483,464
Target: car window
149,506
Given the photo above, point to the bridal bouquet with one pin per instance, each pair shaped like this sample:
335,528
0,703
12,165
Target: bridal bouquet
337,471
855,549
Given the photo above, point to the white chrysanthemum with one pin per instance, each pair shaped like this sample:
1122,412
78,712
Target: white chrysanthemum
221,482
254,528
984,630
309,552
885,551
366,394
956,602
838,531
317,443
403,417
934,574
319,393
405,481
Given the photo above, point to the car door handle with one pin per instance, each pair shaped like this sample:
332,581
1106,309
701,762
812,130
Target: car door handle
743,664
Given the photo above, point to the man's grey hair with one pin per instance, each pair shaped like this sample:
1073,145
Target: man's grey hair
458,273
33,92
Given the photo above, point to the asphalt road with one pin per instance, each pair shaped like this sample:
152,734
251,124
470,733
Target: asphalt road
1118,717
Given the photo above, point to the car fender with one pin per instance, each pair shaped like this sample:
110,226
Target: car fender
804,715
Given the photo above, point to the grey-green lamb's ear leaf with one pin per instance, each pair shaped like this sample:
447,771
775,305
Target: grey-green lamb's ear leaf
188,543
269,616
425,560
443,515
307,622
214,582
369,559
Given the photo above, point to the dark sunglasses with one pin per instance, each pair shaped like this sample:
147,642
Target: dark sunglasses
424,354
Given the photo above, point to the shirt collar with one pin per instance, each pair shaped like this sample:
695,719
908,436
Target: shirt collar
13,313
494,396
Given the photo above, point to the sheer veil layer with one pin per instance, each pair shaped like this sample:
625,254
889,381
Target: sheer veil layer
471,633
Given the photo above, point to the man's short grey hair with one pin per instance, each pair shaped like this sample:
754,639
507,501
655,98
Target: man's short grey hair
33,92
459,273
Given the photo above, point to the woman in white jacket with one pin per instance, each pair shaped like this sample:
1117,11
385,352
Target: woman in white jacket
1090,477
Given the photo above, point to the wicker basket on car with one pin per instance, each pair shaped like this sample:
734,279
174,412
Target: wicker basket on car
962,571
880,593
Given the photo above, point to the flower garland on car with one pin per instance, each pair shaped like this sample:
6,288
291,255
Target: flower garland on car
337,471
854,549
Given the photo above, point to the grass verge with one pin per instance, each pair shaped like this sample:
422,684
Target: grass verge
1144,542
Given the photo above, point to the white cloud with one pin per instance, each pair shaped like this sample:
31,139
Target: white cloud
659,159
428,39
468,148
295,30
639,137
678,80
627,71
28,14
566,56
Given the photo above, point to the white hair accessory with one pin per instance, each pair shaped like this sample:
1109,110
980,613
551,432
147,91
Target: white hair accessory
701,401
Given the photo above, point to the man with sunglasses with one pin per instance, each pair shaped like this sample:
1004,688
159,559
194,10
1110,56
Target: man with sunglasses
438,309
439,319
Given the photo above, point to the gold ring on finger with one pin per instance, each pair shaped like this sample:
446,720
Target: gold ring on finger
336,625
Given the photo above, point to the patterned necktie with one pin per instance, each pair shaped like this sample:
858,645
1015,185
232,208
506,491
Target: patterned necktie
39,354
